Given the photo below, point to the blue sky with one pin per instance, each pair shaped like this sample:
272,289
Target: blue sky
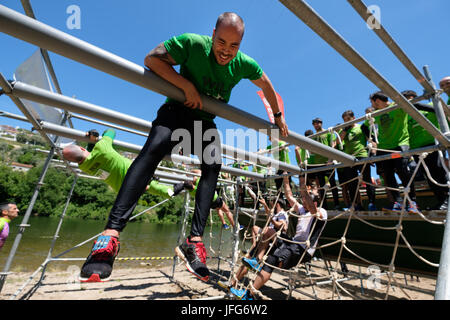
313,80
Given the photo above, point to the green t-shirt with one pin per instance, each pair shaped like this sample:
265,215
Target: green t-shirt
106,163
355,142
326,139
418,136
392,129
282,154
238,165
198,64
304,157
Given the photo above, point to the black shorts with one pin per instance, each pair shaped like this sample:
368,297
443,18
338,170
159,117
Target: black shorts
217,203
289,254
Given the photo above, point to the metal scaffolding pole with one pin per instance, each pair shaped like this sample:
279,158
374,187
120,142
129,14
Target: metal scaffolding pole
313,20
29,92
29,12
42,35
81,136
25,219
443,280
58,228
381,32
8,89
182,235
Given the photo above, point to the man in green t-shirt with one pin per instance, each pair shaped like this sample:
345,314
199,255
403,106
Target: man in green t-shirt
354,138
419,137
101,160
209,66
444,84
328,139
393,135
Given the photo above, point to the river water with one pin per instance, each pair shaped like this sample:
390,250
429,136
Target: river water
137,240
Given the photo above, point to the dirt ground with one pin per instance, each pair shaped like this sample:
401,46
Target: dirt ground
142,281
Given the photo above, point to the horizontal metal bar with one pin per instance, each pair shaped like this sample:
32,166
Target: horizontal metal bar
81,136
313,20
44,36
29,92
381,32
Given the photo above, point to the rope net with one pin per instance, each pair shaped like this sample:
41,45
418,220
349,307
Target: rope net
301,272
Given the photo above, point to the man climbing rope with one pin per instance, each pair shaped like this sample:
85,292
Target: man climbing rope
285,254
210,66
100,159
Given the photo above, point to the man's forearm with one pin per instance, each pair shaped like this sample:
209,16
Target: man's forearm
167,72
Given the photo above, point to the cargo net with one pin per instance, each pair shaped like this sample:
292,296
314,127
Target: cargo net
301,275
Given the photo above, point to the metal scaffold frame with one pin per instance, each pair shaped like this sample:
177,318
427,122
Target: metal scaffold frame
48,38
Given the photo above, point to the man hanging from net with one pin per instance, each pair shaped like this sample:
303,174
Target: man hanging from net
211,66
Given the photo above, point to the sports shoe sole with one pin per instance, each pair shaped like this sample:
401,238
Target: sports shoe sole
180,254
94,278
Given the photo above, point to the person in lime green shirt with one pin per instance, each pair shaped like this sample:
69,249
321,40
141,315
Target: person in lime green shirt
101,160
393,135
419,137
9,211
328,139
354,138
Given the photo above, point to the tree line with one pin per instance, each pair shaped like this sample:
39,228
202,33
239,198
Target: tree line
91,199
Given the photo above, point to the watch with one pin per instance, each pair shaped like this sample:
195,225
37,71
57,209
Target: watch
278,114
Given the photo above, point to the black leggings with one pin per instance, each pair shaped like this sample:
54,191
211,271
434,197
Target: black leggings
352,172
399,166
159,143
438,173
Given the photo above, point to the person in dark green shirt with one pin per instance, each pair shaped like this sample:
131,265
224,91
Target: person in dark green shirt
281,154
209,66
354,138
419,137
328,139
393,135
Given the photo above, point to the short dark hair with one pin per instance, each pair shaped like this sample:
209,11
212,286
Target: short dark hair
234,17
5,205
379,95
308,132
317,120
409,93
348,113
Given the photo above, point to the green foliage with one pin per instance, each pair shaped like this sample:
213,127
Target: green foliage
91,199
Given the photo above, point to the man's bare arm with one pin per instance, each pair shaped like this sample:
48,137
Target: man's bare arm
288,193
306,198
269,92
161,62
